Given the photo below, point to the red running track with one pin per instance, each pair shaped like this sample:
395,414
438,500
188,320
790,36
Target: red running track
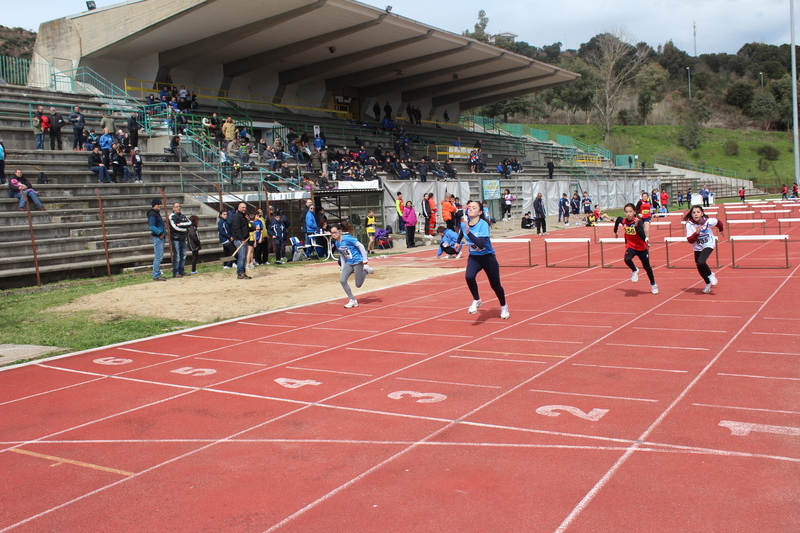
597,407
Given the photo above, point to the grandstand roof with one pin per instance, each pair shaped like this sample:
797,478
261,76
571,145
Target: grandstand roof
308,49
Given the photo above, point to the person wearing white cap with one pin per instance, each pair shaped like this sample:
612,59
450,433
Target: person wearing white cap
137,163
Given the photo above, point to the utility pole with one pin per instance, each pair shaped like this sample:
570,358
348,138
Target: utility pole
762,80
689,75
694,29
794,100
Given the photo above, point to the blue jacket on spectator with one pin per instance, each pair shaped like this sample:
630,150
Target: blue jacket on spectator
156,223
311,223
224,230
106,140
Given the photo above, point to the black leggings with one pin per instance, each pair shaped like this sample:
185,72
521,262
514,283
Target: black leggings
700,259
195,257
644,257
541,225
487,263
506,209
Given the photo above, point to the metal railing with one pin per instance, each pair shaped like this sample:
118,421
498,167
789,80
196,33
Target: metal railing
702,168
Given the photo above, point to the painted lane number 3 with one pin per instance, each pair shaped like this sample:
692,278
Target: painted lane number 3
553,410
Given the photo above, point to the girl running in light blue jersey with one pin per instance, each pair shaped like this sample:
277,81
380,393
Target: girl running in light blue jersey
475,231
353,258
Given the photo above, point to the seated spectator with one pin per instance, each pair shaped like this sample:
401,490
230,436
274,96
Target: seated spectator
97,165
527,221
120,165
450,170
19,187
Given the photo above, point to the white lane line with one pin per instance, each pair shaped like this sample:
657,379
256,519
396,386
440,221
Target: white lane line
451,383
150,353
350,330
212,338
633,368
747,408
293,344
593,395
615,312
778,318
774,333
432,334
496,359
97,378
568,325
312,314
329,371
536,340
684,316
383,351
768,353
271,325
657,347
758,377
229,361
683,329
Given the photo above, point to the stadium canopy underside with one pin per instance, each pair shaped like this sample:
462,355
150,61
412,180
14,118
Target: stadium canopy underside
314,50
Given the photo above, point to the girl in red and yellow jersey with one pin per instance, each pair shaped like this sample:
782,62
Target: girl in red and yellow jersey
636,245
644,210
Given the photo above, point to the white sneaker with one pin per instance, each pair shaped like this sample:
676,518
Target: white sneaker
654,288
368,269
504,312
350,304
713,280
474,307
458,255
225,267
635,276
707,288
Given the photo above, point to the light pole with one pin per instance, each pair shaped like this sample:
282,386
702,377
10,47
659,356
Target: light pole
796,143
689,74
762,80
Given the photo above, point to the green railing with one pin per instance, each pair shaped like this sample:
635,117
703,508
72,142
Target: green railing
14,70
702,168
539,135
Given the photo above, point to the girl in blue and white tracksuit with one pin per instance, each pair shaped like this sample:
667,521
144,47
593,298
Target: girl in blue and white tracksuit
475,231
353,259
701,237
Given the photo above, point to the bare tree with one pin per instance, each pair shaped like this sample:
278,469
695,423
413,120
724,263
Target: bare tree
614,62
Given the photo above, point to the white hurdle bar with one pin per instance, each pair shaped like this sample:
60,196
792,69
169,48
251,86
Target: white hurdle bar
668,240
753,221
667,223
601,225
530,256
774,211
786,221
608,240
576,240
748,214
736,238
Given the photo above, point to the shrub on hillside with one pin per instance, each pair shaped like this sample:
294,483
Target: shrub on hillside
768,151
731,147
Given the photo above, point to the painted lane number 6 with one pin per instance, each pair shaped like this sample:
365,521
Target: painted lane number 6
553,410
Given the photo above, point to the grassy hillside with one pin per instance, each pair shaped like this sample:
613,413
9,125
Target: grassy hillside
650,141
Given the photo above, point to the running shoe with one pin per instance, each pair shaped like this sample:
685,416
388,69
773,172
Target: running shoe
504,314
458,255
195,272
713,280
368,269
474,307
351,304
707,288
442,256
654,288
635,276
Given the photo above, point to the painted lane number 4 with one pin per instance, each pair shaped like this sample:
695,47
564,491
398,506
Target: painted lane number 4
553,410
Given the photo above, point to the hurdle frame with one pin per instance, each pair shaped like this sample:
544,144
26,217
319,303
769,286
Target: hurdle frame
668,240
530,255
608,240
573,240
733,238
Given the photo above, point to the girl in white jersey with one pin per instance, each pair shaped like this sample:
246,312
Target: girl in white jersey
353,258
701,237
481,257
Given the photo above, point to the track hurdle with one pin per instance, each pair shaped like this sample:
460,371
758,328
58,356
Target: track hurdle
668,240
733,239
572,241
528,241
786,221
752,221
666,223
747,214
774,212
601,225
608,240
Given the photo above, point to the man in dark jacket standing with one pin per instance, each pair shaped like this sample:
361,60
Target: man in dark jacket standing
133,129
78,122
158,232
179,228
551,167
240,229
56,123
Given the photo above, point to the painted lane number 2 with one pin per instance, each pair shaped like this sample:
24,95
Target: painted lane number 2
424,397
553,410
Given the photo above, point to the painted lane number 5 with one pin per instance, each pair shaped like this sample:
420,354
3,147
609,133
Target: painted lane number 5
424,397
553,410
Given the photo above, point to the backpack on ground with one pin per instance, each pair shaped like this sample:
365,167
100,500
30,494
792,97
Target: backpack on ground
42,178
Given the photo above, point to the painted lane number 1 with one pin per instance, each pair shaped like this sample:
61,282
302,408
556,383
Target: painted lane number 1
553,410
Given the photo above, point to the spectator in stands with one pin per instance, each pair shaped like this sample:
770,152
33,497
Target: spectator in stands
158,231
457,142
2,164
120,166
105,142
387,110
107,123
446,117
41,123
56,123
551,168
98,166
450,170
78,122
133,129
316,162
376,110
19,187
229,130
479,144
137,163
423,170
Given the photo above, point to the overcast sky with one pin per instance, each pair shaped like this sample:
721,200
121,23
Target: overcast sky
722,25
